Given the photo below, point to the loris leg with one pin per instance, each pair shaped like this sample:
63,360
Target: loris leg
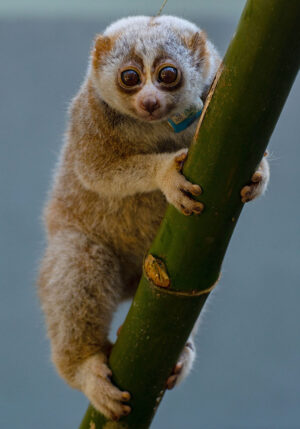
259,182
185,361
80,286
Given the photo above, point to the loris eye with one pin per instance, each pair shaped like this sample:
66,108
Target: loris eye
168,75
130,78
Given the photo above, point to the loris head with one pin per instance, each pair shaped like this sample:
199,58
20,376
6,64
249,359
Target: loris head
152,68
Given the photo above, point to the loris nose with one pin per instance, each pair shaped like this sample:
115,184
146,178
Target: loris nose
150,104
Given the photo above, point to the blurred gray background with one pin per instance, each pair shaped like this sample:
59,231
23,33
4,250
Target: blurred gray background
247,373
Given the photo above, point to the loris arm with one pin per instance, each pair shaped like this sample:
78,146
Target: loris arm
110,175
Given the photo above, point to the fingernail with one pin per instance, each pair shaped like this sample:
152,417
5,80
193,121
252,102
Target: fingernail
126,410
197,190
126,396
198,210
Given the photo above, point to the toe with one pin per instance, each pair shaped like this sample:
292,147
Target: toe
178,368
257,177
186,211
198,208
171,381
246,193
195,190
179,160
126,396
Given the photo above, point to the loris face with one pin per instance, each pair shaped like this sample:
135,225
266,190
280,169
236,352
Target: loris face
151,68
149,92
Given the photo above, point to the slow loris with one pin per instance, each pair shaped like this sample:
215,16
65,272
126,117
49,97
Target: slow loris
119,166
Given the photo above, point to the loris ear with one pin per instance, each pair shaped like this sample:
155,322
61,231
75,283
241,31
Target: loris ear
197,45
102,46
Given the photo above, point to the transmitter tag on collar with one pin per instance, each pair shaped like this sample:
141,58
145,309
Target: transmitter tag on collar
181,121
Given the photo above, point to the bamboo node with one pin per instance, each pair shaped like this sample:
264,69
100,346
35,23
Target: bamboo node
156,271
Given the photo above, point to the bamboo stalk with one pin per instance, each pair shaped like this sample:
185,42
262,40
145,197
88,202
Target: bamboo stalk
241,112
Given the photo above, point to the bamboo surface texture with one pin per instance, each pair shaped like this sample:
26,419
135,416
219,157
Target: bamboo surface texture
240,114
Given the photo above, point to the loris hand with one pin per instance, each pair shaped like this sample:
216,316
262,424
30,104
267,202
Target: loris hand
176,187
259,182
183,365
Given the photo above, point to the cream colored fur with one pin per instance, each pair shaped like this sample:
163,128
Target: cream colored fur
118,168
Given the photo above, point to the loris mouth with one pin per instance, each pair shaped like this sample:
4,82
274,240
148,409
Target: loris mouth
153,117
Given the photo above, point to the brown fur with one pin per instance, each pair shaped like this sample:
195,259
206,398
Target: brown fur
101,47
197,44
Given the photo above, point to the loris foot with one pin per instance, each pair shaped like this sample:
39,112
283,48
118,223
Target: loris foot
259,182
183,366
93,378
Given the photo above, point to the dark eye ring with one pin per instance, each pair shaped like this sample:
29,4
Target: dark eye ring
129,78
168,75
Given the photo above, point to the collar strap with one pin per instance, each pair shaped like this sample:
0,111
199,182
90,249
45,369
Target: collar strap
180,121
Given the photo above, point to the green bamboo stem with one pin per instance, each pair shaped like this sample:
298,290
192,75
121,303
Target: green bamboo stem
259,68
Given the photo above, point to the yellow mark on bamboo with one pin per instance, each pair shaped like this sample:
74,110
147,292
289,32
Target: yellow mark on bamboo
156,271
92,425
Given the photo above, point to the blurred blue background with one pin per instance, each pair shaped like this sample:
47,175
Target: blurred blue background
247,373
